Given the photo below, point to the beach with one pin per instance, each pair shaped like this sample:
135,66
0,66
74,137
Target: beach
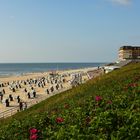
43,84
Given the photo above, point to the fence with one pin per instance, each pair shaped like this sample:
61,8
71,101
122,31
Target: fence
15,109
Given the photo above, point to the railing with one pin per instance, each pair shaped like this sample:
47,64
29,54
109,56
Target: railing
15,109
9,112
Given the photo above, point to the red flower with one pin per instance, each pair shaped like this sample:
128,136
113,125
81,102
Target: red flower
33,131
133,85
98,98
59,120
33,137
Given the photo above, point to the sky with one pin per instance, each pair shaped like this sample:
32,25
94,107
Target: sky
67,30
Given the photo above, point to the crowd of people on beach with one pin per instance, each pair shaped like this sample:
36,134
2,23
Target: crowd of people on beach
21,92
29,88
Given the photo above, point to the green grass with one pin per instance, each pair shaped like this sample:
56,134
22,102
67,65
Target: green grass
116,116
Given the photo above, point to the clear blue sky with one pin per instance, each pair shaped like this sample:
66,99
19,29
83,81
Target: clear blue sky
67,30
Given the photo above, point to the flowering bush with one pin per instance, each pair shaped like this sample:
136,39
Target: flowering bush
59,120
33,137
33,134
99,109
33,131
98,98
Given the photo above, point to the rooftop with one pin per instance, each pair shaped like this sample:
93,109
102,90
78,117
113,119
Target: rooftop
130,48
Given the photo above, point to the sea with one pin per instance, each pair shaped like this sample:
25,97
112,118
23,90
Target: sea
11,69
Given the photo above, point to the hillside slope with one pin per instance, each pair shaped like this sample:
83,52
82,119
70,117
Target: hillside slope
104,108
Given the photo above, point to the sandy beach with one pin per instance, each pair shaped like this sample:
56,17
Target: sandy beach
38,82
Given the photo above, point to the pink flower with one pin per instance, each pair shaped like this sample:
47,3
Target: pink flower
133,85
33,131
98,98
33,137
59,120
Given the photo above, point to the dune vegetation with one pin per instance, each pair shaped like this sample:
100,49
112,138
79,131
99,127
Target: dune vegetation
105,108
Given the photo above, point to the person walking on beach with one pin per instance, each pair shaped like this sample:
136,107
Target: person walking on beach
10,97
47,91
7,103
29,96
13,89
18,99
25,90
24,106
20,106
3,91
34,94
52,89
1,96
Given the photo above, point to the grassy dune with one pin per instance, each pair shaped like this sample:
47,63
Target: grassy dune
105,108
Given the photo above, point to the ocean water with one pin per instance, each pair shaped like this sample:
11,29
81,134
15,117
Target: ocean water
7,69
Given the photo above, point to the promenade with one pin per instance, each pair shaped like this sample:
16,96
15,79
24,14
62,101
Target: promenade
14,110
